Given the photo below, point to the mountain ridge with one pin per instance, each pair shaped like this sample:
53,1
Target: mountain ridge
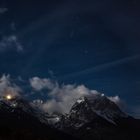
91,117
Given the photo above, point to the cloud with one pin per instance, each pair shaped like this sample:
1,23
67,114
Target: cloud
115,99
10,43
62,97
3,10
118,101
7,87
39,84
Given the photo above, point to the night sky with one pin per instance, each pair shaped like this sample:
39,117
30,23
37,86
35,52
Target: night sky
90,42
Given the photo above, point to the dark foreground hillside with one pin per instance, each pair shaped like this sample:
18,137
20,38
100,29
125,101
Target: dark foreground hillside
19,125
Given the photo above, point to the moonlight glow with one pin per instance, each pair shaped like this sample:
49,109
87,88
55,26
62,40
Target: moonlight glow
8,97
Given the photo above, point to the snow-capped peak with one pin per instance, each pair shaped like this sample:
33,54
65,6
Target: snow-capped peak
80,100
97,104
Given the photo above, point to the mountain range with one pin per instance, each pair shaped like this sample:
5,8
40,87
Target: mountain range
92,117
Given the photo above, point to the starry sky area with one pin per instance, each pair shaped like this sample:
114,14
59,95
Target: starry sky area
90,42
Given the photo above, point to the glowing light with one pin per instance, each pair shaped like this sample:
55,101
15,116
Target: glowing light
8,97
102,95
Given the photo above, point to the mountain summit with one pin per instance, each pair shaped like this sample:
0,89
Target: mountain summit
97,117
99,105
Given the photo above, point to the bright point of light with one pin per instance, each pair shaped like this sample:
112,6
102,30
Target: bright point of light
102,95
8,97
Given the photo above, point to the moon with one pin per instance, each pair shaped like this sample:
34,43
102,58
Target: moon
9,97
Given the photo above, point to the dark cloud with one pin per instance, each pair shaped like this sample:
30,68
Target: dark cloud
3,10
11,42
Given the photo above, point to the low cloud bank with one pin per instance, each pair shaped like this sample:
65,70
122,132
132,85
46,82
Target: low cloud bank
62,97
